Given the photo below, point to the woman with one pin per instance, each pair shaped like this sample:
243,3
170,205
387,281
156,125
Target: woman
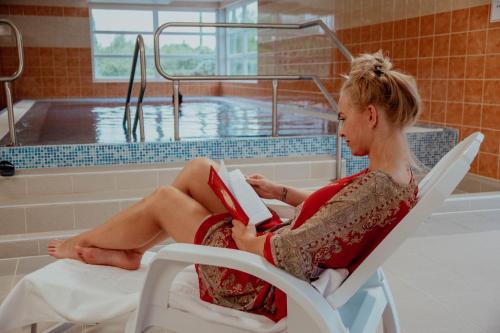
336,226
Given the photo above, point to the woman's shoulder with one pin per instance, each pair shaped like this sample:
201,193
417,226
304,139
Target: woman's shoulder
379,183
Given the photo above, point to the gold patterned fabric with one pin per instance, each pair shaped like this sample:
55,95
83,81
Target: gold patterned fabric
335,227
345,229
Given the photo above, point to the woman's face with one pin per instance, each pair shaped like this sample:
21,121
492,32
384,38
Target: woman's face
356,129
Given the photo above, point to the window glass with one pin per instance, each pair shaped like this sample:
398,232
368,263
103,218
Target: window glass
236,67
123,44
242,43
184,50
188,65
208,44
252,41
251,12
122,20
112,67
179,16
208,17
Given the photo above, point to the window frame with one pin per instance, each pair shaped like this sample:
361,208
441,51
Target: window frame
154,9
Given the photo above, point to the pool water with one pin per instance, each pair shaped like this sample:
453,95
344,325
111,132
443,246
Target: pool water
61,122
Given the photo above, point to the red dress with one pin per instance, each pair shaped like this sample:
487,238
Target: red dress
337,226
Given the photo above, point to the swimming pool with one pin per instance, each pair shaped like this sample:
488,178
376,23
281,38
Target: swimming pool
81,133
85,122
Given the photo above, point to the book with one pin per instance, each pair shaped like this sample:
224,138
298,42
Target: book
239,198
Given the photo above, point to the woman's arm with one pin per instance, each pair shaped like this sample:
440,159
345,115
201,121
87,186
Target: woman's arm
271,190
292,195
246,238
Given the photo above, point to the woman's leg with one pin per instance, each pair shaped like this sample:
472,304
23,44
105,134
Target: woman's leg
122,240
193,180
167,211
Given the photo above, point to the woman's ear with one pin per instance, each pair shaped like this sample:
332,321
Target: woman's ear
372,116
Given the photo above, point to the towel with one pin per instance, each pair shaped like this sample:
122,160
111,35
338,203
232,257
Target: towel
71,291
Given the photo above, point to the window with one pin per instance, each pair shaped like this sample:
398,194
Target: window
242,43
184,51
188,50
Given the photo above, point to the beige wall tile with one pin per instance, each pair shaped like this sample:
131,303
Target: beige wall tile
5,285
473,3
31,264
92,214
323,170
13,249
293,171
127,203
51,31
12,220
48,184
133,180
427,7
413,8
265,170
93,182
444,6
314,183
8,267
400,9
12,186
460,4
167,177
59,3
49,218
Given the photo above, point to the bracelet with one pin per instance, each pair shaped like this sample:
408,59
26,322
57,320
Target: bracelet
284,192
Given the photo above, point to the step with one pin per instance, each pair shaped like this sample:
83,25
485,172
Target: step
80,211
44,207
469,203
39,182
35,244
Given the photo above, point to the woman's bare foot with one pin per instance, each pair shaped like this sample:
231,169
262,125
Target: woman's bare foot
61,249
126,259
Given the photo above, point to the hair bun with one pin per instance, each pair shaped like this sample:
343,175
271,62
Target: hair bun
372,80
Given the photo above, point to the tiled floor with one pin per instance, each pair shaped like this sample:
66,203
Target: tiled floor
444,279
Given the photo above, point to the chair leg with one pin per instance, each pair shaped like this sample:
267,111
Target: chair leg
390,316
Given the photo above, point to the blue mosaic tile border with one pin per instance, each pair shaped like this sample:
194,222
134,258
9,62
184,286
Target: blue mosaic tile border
161,152
428,147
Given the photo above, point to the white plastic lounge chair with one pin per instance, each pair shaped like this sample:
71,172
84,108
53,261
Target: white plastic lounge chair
169,296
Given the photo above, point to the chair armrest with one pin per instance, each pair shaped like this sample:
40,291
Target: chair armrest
281,208
171,259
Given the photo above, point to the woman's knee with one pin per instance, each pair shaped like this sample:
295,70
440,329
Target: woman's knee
199,166
163,192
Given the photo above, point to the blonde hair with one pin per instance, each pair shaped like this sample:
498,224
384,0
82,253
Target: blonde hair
372,81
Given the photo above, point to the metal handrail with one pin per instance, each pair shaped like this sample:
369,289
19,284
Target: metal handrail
8,79
274,78
139,117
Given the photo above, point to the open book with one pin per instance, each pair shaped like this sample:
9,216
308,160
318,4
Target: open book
239,198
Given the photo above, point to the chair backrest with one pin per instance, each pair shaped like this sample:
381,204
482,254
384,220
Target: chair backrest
434,188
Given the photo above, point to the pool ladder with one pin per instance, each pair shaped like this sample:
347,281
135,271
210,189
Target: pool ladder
7,80
274,78
139,118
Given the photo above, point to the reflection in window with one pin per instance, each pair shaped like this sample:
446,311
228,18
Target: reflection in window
242,43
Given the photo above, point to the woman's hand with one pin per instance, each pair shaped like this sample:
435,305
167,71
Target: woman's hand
264,187
245,237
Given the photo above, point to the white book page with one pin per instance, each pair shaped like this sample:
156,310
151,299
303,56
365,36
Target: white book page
224,175
248,198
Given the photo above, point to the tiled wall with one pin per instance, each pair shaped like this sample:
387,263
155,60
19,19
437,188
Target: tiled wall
54,71
449,45
455,56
